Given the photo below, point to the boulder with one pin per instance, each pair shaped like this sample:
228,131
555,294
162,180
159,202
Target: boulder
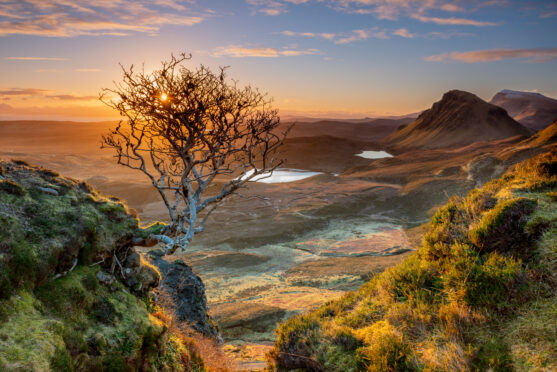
187,292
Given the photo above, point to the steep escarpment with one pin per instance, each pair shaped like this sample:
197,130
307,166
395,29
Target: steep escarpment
478,295
74,295
458,119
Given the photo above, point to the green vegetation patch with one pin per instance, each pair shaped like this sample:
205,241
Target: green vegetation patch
72,322
478,295
42,234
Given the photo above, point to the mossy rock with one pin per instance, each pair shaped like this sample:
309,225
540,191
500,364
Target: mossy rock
71,321
42,235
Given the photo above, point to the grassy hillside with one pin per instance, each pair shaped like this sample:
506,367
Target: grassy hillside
64,305
478,295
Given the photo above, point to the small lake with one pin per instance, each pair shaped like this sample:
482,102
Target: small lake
374,154
283,175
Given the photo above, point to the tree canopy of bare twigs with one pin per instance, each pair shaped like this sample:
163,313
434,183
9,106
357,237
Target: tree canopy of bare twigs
190,131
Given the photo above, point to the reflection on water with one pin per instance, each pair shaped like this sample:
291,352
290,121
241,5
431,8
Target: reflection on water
374,155
282,175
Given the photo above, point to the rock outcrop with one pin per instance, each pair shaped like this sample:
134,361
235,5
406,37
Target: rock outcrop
187,292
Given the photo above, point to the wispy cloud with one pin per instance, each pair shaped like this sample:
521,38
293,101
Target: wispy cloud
88,70
364,34
238,51
35,58
402,32
453,21
268,7
447,34
393,9
23,92
42,94
323,35
537,55
343,37
69,18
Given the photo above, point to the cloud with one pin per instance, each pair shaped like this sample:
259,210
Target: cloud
88,70
453,21
537,55
23,92
268,7
358,35
70,18
416,9
35,58
447,34
402,32
451,8
72,97
343,37
42,94
323,35
237,51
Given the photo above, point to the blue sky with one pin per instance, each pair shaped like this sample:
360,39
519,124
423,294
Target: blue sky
315,57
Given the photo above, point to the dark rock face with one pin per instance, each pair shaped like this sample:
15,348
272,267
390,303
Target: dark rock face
187,292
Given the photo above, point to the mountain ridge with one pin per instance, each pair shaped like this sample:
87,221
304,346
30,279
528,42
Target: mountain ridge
458,119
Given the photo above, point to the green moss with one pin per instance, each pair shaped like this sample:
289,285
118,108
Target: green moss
28,338
61,360
67,296
154,228
73,322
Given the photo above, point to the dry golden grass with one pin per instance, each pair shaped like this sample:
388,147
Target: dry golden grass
208,349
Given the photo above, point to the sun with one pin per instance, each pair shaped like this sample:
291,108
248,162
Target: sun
164,97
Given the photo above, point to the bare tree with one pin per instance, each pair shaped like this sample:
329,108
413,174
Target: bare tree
198,137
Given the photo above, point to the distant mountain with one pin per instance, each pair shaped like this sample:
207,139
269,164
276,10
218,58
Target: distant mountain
300,118
533,110
458,119
371,130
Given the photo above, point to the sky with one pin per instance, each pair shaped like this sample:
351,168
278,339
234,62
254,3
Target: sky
321,58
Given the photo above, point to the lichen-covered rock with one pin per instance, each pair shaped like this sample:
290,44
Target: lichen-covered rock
187,292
